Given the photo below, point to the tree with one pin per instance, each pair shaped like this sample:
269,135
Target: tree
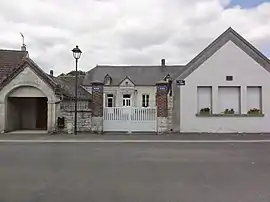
73,73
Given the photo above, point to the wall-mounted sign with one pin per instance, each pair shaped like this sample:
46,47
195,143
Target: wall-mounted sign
162,87
96,88
180,82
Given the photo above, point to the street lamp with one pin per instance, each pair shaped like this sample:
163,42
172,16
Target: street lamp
76,54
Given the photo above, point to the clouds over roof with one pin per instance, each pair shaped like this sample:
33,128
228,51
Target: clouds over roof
125,31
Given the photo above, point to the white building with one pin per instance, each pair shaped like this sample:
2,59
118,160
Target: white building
129,94
133,86
226,89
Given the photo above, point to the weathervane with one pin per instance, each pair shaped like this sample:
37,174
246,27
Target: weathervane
22,38
23,48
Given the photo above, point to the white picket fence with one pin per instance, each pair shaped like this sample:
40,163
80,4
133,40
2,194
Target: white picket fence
130,119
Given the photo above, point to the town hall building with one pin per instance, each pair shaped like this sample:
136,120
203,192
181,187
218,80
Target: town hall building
224,89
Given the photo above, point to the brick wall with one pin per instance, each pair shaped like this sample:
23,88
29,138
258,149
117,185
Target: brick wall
162,99
97,99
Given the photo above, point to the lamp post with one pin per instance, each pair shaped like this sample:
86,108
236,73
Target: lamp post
76,54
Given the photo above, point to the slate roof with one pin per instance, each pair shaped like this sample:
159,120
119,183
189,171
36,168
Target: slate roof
10,59
139,75
229,35
67,84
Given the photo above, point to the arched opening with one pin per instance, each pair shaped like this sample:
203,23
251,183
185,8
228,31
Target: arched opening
27,109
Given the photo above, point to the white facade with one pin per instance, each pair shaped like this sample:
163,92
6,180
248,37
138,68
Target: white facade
249,88
136,93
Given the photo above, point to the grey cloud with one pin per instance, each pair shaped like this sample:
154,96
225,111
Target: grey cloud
124,31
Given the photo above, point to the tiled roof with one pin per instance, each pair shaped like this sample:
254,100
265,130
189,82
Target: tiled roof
13,62
9,60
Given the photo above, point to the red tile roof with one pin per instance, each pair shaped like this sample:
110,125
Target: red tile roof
10,59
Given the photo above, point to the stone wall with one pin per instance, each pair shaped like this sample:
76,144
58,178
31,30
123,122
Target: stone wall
84,116
83,121
170,113
28,78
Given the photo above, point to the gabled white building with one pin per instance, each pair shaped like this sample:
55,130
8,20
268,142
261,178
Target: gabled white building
227,89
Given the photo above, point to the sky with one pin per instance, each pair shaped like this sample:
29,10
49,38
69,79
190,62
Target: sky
247,3
127,32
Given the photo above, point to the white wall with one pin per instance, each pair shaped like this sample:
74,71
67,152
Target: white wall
136,94
27,91
228,61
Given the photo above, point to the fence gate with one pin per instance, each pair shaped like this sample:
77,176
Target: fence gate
129,119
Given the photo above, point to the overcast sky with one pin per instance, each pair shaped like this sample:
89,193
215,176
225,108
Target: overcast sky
127,31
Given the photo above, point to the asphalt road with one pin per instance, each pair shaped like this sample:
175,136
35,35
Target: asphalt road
125,172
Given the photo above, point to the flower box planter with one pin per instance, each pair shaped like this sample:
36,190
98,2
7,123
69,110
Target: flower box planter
254,111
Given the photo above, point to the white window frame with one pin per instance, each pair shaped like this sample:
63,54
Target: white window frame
222,99
145,100
126,101
109,97
259,98
202,102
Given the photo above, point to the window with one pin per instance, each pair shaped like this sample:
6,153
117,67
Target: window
204,98
254,98
126,100
229,99
107,80
110,100
229,78
145,100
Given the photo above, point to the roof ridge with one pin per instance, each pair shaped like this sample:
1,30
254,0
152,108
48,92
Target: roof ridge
133,66
6,50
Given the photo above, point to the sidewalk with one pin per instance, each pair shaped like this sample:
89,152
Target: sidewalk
170,137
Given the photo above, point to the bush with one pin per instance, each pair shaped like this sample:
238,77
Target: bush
205,111
229,111
254,111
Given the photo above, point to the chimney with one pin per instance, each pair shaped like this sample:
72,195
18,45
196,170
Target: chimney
163,62
23,47
51,73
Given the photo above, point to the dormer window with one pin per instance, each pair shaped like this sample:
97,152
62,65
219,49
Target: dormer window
107,80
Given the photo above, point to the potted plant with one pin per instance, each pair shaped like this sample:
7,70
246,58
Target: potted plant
254,111
205,110
229,111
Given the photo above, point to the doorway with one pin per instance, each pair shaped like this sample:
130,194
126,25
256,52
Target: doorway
27,113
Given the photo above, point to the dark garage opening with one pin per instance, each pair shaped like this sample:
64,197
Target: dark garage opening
24,113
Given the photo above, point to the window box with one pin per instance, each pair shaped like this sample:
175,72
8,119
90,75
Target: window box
229,115
205,111
254,111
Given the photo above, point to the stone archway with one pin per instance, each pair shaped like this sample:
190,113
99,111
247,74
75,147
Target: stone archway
26,109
